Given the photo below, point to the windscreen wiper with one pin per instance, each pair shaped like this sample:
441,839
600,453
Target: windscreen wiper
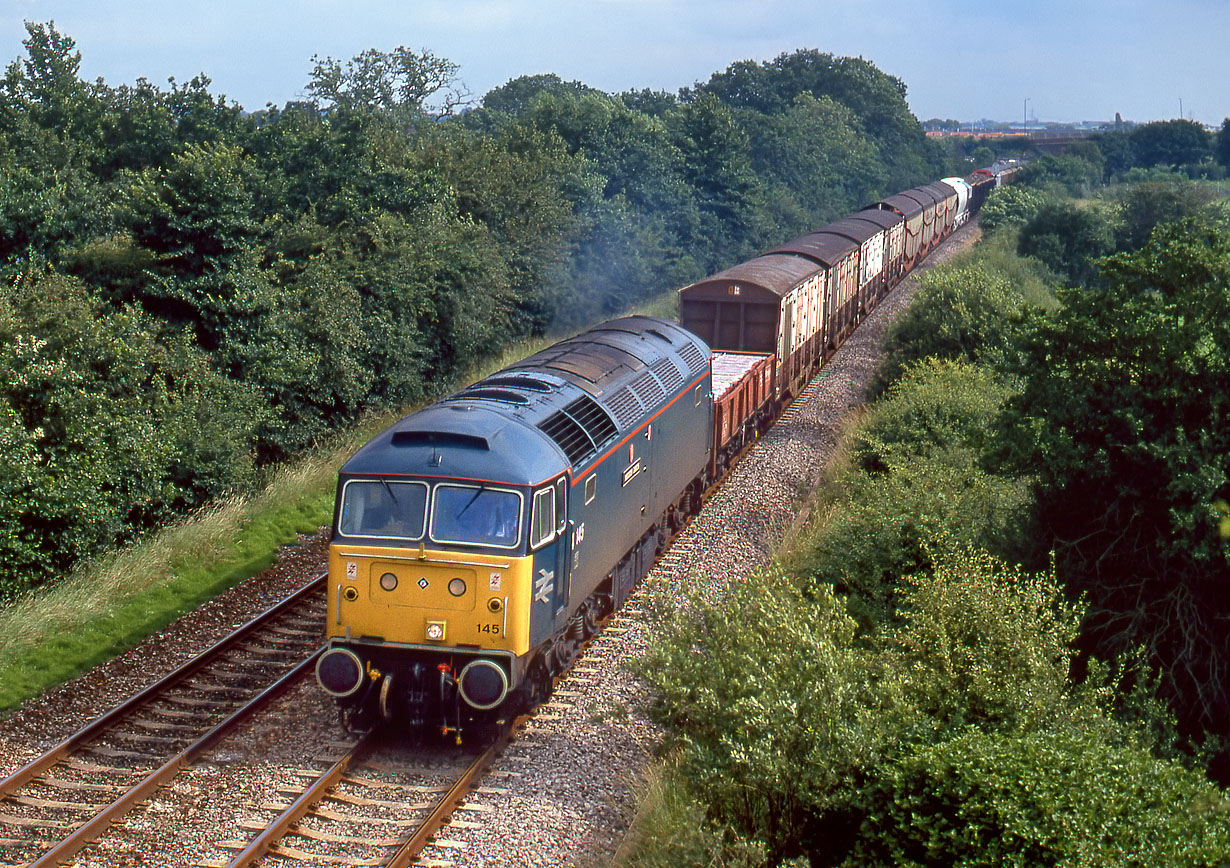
470,502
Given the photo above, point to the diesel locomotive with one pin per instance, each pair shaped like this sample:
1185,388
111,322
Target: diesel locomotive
478,542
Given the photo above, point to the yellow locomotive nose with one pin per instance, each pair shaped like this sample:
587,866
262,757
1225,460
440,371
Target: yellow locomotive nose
424,597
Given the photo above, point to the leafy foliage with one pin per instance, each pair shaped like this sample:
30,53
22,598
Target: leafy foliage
956,737
1010,207
1145,205
915,490
1122,419
1055,797
969,312
1068,239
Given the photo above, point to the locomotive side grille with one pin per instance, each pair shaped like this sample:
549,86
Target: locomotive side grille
693,356
626,407
648,389
597,424
667,373
579,429
570,436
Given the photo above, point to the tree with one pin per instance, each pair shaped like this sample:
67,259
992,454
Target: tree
1010,207
1170,143
47,87
103,415
1117,150
1223,144
1144,205
514,97
816,150
717,165
875,98
1068,239
398,81
1122,423
981,157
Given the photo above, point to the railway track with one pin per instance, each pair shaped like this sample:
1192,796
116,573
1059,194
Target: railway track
368,810
55,805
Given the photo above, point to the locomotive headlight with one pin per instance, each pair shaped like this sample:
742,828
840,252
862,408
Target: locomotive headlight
457,587
435,631
388,581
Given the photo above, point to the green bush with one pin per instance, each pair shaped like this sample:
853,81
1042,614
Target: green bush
1010,207
886,525
1068,239
955,737
774,709
935,405
102,417
1055,797
968,312
916,486
985,644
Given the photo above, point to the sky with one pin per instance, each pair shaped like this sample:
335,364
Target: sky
1057,60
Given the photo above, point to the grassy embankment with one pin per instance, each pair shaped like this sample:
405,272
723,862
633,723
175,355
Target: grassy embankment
111,605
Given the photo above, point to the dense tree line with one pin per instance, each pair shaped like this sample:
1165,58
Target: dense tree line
189,292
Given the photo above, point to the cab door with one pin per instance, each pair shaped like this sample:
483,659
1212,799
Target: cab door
551,548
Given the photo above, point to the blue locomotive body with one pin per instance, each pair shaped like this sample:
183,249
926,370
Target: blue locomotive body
478,541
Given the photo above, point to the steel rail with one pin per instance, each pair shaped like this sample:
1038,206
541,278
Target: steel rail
301,806
101,724
447,803
74,843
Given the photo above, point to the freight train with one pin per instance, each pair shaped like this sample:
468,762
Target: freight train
478,542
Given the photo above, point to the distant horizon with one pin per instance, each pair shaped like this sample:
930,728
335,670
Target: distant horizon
1144,59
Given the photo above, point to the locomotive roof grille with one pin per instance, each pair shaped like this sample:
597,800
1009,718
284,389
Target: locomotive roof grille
626,406
439,438
693,356
667,373
579,429
531,384
648,389
506,395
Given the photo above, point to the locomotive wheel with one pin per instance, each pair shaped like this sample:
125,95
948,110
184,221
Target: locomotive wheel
540,683
675,518
589,621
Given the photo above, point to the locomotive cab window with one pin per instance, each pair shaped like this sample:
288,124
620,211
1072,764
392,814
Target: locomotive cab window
542,519
382,509
476,515
591,487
